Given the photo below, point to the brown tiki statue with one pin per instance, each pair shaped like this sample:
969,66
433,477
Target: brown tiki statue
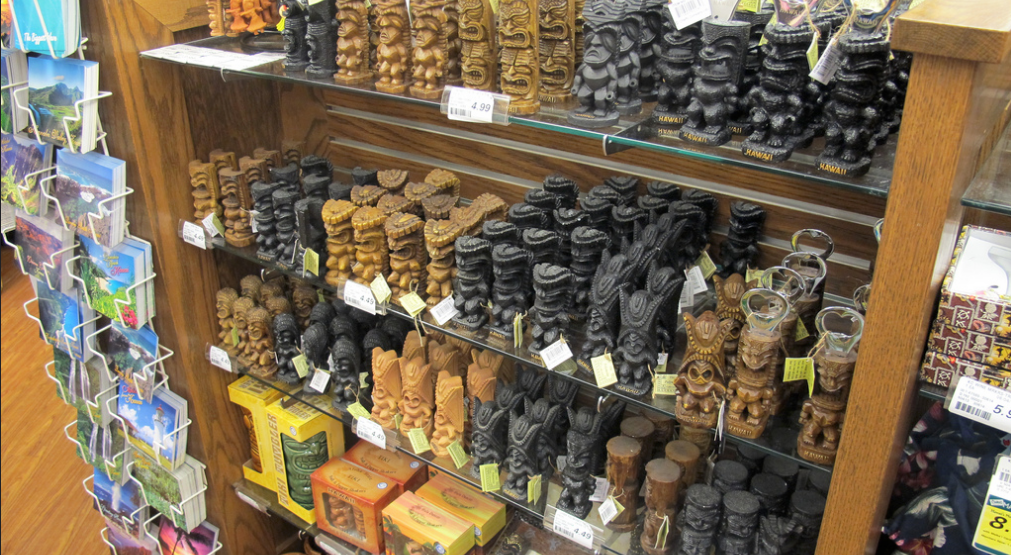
700,381
204,180
393,58
440,240
225,299
418,401
340,242
429,56
479,54
408,258
520,63
237,201
352,43
449,413
259,351
557,49
663,484
387,391
728,309
372,253
623,464
240,311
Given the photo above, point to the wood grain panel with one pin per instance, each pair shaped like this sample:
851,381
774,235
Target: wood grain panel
149,128
781,185
852,238
303,116
177,14
981,33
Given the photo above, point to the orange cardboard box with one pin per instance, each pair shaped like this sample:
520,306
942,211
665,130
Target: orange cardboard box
413,526
487,516
406,473
349,502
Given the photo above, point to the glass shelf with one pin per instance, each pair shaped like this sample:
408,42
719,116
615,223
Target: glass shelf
634,131
990,190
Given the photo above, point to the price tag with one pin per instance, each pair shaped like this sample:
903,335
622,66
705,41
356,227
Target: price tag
800,333
319,296
419,441
310,262
357,410
371,432
301,365
800,369
696,280
213,225
494,6
773,21
603,370
458,455
490,477
518,330
249,501
255,227
555,354
362,384
661,534
573,528
687,299
723,9
235,337
412,303
470,105
320,380
753,274
381,289
687,12
663,384
194,235
661,363
748,6
812,53
600,491
560,462
706,264
828,64
993,532
609,509
219,357
359,296
983,403
443,311
534,489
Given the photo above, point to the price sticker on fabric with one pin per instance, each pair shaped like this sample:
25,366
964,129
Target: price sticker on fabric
320,380
443,311
600,491
219,357
983,403
603,370
457,453
194,235
371,432
213,225
573,528
609,509
687,12
419,441
555,354
795,369
381,289
359,296
993,531
412,303
470,105
490,478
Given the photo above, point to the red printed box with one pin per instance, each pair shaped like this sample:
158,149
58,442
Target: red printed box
976,292
941,369
970,346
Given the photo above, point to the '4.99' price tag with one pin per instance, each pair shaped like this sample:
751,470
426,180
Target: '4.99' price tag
470,105
359,296
983,403
194,235
219,357
573,528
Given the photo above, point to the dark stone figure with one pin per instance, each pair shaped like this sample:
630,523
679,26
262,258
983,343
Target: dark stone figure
627,99
740,250
295,24
488,435
577,480
678,53
637,348
345,363
588,245
521,455
510,266
603,320
472,286
284,221
596,79
263,205
552,291
715,82
286,347
650,20
321,39
549,418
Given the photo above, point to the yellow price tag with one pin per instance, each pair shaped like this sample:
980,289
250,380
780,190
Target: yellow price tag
494,6
661,534
518,330
812,53
603,370
534,489
280,25
993,533
419,441
801,332
356,409
412,303
706,264
748,6
319,296
490,478
397,419
310,262
362,384
301,365
381,289
753,274
235,337
800,369
213,222
458,455
663,384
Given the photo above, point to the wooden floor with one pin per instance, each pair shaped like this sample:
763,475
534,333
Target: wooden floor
43,507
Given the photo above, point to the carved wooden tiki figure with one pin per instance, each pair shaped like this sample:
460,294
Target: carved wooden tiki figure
418,401
521,72
219,20
372,253
700,381
237,202
751,390
393,59
224,300
408,258
454,45
429,56
728,308
204,180
387,388
479,59
295,23
340,244
440,239
449,413
352,43
557,39
259,351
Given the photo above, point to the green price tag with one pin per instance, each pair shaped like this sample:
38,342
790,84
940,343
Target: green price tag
748,6
235,337
800,369
812,53
412,303
534,489
381,289
706,264
663,384
356,409
397,419
603,370
490,478
419,441
319,296
361,380
301,365
310,262
213,225
753,274
494,6
458,455
801,332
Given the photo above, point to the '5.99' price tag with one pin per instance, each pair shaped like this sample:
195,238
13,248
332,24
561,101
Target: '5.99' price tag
983,403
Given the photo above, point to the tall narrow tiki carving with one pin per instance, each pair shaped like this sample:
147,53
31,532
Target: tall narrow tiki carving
387,388
405,234
352,43
393,56
291,151
629,65
296,49
372,255
321,38
751,390
557,49
440,239
678,53
237,202
700,382
520,63
418,401
596,80
449,413
204,180
429,56
728,309
219,20
478,55
454,44
650,17
717,76
340,243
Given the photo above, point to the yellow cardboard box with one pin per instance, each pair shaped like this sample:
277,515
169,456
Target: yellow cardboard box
406,473
254,396
413,526
487,516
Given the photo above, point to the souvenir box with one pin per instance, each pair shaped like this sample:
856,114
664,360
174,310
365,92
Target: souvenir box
413,526
449,494
970,346
976,291
302,439
254,397
941,369
405,473
350,501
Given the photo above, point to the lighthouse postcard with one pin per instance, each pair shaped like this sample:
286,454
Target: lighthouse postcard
156,427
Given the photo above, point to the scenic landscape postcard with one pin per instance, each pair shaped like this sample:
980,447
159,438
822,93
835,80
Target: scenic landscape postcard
151,424
102,447
60,315
108,275
118,502
130,351
126,544
161,487
176,541
81,184
22,157
39,240
54,85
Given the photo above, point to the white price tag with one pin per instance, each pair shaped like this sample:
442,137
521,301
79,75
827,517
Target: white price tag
443,311
600,492
555,354
723,9
983,403
219,357
696,281
687,300
359,296
194,235
560,462
828,63
661,359
607,511
470,105
371,432
249,501
1001,482
573,528
252,220
320,380
687,12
